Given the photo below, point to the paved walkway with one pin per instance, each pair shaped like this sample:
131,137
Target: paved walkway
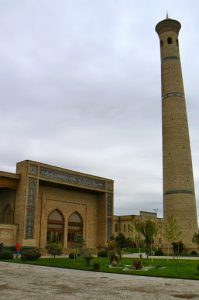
26,282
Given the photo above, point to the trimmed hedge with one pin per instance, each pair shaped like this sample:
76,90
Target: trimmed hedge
6,255
33,254
102,253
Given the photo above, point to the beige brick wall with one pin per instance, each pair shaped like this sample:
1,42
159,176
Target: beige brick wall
93,201
8,234
178,185
68,202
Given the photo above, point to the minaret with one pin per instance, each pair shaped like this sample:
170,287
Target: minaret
178,185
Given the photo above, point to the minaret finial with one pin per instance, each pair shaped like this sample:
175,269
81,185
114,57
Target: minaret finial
167,15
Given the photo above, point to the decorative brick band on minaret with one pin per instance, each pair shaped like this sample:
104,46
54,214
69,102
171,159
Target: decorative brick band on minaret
178,184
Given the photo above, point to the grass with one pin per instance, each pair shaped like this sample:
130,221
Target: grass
173,268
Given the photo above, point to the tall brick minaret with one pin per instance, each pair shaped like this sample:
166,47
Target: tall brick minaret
178,184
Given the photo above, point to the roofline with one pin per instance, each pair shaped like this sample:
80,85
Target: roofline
9,175
62,169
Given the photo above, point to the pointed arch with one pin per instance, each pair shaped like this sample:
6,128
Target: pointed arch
75,227
7,214
55,226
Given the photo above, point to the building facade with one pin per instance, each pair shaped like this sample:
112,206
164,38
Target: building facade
41,202
126,225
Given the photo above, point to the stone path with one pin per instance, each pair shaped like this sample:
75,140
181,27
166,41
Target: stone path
26,282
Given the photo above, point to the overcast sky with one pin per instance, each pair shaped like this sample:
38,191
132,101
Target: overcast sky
80,89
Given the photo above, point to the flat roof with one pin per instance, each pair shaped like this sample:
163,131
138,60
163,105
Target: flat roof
63,169
9,175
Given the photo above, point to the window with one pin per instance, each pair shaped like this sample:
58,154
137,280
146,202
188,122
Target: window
55,228
169,40
75,227
116,227
161,43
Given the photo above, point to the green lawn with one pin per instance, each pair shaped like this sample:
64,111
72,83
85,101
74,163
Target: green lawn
173,268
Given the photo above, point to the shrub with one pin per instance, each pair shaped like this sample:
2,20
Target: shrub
96,266
198,267
113,257
159,252
6,255
87,256
72,255
158,266
54,249
178,247
33,254
1,246
194,253
137,264
102,253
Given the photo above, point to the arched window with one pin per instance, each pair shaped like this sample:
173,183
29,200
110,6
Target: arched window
124,227
169,40
7,215
55,228
75,227
116,227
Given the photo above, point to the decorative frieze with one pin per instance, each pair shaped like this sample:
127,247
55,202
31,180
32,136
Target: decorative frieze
109,204
71,178
109,229
173,94
178,192
109,186
30,211
33,169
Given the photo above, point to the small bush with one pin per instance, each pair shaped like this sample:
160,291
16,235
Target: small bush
159,252
137,264
54,249
158,266
87,257
96,266
178,247
33,254
194,253
6,255
1,247
72,255
113,257
102,253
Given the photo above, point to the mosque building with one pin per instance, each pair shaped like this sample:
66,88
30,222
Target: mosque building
41,201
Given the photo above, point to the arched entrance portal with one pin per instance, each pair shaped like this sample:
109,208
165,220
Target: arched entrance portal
55,228
75,227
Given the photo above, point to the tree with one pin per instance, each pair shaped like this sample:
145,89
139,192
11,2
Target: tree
54,249
178,247
121,240
79,244
113,250
171,231
195,238
134,228
149,230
